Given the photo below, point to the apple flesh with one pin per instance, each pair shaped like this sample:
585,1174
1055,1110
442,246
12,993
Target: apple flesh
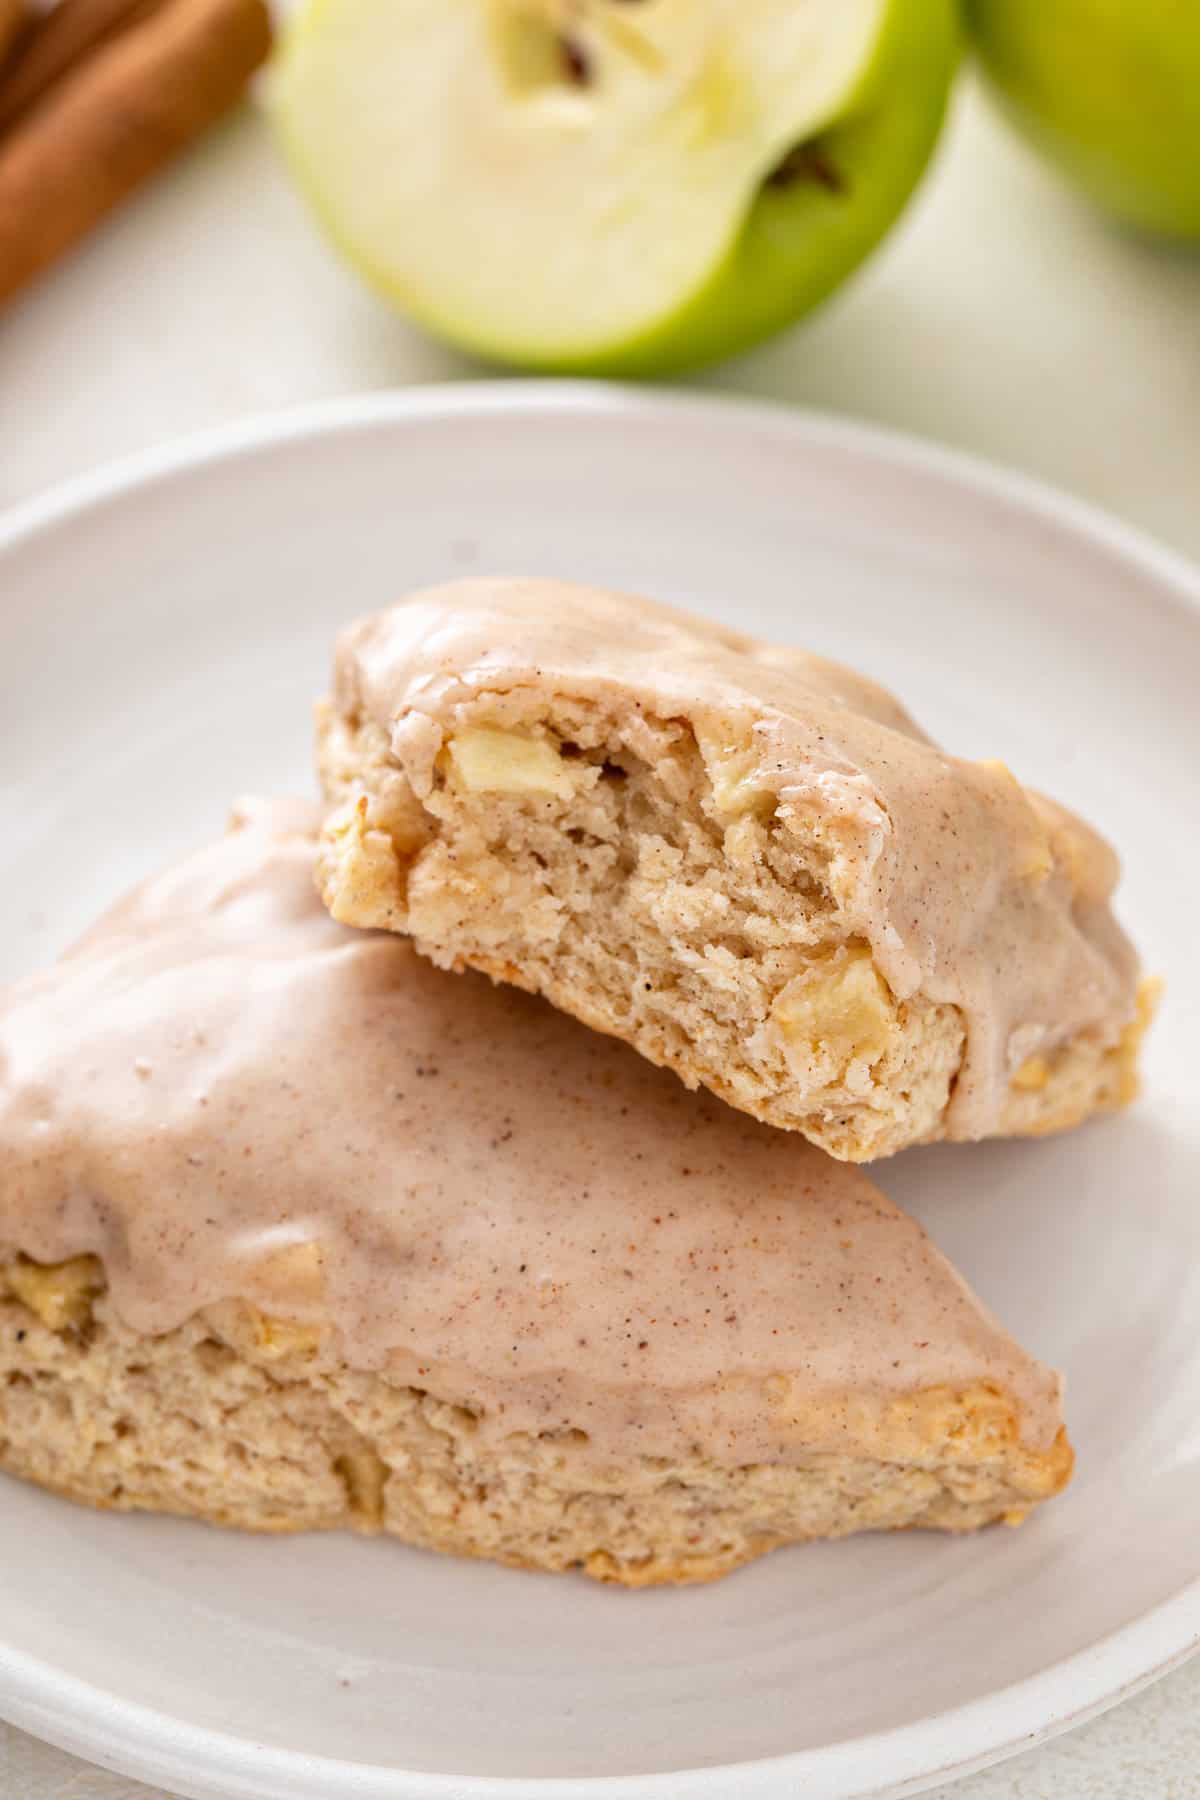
1110,91
611,186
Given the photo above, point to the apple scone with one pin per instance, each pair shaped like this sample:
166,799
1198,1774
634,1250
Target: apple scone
744,860
299,1231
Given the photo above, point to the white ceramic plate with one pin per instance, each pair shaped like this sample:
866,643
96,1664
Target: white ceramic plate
162,632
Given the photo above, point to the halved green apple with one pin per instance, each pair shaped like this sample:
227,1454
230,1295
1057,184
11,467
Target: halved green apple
611,186
1110,91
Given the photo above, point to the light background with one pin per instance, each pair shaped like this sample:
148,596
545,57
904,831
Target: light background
1002,318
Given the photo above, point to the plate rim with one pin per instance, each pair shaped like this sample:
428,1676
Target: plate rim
146,1742
151,1745
982,476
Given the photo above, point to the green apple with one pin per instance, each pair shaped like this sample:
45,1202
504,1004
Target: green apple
1110,90
611,186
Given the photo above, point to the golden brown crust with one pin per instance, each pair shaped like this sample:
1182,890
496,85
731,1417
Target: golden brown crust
243,1421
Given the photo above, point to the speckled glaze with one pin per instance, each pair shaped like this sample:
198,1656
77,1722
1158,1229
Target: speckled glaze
970,889
223,1095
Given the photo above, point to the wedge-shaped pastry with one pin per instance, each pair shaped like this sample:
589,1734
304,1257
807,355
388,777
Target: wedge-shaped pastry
301,1231
746,861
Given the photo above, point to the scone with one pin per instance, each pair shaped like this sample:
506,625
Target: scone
745,861
303,1232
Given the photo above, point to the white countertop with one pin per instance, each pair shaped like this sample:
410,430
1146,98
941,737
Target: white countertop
1002,318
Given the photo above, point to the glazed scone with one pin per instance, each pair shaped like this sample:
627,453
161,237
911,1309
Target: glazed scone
301,1231
747,862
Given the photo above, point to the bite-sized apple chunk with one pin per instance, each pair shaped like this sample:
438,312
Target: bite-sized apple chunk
838,1009
58,1294
503,762
589,184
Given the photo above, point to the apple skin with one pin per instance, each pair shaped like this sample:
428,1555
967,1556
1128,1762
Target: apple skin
1109,90
798,241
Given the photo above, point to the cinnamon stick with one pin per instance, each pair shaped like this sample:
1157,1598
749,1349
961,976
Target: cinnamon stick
56,41
114,119
14,18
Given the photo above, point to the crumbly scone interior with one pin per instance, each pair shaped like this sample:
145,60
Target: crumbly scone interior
245,1420
640,878
633,875
614,865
